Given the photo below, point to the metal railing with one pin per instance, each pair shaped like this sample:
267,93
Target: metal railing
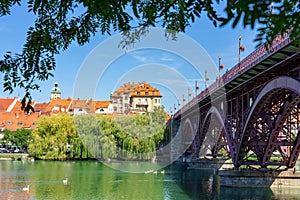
260,54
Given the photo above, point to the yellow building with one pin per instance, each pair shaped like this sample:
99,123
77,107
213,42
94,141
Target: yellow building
136,98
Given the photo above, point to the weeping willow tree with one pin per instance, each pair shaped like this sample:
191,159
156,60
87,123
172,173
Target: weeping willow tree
128,137
141,135
96,133
54,137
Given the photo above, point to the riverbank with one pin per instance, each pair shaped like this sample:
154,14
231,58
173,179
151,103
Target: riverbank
16,156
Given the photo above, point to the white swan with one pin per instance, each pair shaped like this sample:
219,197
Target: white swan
25,188
149,171
65,181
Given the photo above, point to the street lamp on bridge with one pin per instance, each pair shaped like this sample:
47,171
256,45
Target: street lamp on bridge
241,48
221,66
206,78
196,87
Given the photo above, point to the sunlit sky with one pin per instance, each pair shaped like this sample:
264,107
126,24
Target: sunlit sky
162,63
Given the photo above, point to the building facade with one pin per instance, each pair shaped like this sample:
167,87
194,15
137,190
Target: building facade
12,117
135,98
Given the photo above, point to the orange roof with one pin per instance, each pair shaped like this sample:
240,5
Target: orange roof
18,106
5,103
17,119
88,105
61,103
126,88
137,89
41,107
101,104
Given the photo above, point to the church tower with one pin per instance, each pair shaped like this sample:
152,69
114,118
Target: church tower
55,93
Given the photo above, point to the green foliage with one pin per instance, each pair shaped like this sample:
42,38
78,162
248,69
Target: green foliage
96,135
53,136
20,137
268,16
140,135
59,23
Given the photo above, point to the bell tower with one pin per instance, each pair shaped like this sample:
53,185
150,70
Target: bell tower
55,93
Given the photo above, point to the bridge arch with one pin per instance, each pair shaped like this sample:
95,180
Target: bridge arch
206,141
291,89
187,138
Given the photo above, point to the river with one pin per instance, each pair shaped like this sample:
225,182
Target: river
94,180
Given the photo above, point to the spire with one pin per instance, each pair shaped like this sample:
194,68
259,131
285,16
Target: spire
55,93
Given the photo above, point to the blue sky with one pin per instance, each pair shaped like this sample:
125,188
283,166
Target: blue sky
171,71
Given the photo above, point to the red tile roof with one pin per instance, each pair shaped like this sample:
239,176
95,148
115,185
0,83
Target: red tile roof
101,104
5,103
18,119
62,104
137,89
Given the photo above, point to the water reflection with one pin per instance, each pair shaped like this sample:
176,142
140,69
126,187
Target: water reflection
93,180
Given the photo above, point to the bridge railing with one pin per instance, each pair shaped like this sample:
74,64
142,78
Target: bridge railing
258,55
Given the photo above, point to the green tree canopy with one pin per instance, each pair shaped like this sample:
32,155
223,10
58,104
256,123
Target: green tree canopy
59,23
52,137
20,137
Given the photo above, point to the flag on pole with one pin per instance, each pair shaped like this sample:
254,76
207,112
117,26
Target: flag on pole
242,48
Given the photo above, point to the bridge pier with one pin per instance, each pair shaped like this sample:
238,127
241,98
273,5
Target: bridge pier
259,178
225,175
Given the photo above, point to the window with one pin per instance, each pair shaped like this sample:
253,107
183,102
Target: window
155,100
101,110
9,123
126,97
147,93
138,93
20,123
115,109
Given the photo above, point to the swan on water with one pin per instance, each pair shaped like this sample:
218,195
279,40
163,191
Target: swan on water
65,181
25,188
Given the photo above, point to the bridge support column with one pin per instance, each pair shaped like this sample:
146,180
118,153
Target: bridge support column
259,178
175,140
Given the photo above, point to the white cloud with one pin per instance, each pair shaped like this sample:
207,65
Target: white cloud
166,57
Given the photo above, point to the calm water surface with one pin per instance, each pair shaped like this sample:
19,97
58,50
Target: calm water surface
94,180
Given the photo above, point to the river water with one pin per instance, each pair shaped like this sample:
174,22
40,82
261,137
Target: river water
94,180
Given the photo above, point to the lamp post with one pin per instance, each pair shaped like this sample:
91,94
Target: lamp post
240,38
206,78
189,94
196,87
219,57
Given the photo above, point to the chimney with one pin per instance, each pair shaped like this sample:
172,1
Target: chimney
17,114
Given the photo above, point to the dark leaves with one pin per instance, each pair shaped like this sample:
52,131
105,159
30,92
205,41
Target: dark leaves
59,23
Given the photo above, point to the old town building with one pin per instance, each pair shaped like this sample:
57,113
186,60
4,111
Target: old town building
135,98
12,117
